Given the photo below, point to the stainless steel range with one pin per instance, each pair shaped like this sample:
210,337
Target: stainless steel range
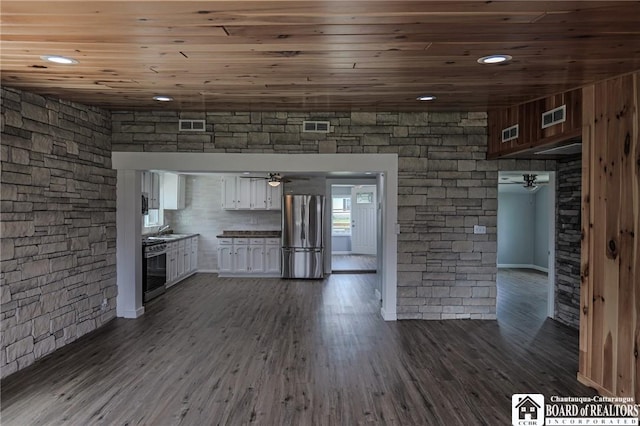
154,270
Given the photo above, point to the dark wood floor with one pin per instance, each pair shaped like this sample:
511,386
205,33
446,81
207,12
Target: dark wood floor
353,263
230,351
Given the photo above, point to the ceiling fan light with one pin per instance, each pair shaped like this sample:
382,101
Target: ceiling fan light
273,182
530,188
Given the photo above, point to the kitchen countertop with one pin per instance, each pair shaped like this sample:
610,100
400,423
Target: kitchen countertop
250,234
165,238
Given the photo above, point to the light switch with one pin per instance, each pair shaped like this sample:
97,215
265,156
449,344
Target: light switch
479,229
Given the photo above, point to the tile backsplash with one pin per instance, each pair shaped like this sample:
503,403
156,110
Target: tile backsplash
204,215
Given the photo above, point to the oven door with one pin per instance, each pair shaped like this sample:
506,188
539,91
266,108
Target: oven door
154,275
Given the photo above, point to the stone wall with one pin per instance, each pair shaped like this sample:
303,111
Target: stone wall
446,186
58,225
568,233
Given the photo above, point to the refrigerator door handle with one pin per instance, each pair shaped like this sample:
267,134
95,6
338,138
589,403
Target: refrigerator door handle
302,233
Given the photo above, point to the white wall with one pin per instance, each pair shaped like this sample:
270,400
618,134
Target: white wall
315,186
523,228
516,226
204,215
541,232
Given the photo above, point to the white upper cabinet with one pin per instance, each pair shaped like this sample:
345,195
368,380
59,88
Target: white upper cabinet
151,186
258,194
244,193
274,197
173,191
229,192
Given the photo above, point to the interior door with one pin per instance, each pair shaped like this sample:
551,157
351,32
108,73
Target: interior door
363,219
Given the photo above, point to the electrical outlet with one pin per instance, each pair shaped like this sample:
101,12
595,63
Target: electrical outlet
105,304
479,229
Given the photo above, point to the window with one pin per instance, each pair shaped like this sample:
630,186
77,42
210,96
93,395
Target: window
364,198
152,219
341,215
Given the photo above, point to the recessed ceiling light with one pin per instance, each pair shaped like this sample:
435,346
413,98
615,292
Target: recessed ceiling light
163,98
494,59
59,59
246,173
367,173
426,98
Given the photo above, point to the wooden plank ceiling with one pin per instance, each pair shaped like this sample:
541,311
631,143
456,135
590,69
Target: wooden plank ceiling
314,55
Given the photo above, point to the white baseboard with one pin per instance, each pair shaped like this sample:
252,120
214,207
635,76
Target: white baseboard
207,271
340,252
131,314
241,275
522,266
388,316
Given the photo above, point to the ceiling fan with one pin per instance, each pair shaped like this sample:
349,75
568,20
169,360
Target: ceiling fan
529,181
275,179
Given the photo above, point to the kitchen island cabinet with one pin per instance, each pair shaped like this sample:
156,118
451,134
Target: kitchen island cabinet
248,256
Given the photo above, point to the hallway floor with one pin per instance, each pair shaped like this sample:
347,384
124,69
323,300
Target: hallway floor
353,263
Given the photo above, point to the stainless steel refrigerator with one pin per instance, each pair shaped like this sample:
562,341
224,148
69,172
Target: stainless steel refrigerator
302,236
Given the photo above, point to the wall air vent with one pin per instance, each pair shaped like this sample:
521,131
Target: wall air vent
192,126
571,149
316,127
554,116
510,133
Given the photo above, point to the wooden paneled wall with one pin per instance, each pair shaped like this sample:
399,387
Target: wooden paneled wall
531,136
610,265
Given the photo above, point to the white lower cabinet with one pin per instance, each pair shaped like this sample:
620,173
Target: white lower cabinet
241,258
225,258
272,259
248,257
172,263
180,258
194,253
181,261
256,255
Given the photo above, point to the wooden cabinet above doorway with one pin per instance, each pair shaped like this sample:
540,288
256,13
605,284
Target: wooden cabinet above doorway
532,129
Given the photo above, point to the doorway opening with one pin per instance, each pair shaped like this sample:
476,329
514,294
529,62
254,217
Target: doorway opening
383,169
526,245
354,228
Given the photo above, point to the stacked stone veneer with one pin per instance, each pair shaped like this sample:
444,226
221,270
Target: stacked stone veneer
58,225
446,186
568,233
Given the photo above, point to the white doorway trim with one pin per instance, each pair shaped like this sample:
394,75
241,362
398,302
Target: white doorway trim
551,252
551,274
378,182
382,164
